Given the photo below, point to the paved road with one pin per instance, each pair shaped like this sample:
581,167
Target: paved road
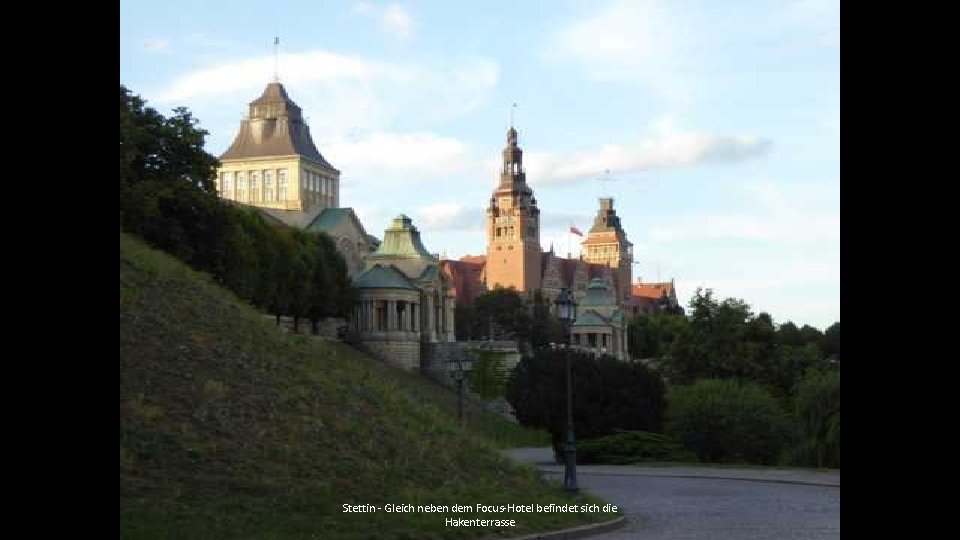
700,503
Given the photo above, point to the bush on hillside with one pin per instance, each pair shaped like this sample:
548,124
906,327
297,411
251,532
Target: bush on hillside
607,395
727,421
632,447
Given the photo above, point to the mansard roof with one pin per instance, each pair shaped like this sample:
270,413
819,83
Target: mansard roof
275,127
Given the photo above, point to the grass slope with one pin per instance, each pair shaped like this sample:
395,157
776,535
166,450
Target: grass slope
231,429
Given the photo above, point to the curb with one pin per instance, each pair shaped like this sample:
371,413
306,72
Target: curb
739,479
582,531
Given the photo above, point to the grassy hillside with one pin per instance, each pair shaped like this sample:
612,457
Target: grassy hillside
231,429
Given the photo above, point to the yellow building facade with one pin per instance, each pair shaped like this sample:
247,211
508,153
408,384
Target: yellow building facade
273,162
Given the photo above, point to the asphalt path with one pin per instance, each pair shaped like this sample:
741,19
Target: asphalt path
700,503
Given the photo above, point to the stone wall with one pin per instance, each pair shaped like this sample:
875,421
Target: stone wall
403,354
435,358
327,328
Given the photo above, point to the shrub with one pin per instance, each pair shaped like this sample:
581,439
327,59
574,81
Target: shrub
632,447
607,395
817,409
727,421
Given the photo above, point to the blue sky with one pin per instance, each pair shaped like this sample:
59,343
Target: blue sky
719,122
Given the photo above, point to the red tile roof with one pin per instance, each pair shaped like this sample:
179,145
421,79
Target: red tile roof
652,290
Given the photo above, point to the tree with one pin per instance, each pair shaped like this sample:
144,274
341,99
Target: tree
488,377
650,336
818,417
607,394
545,327
727,420
503,314
831,341
167,194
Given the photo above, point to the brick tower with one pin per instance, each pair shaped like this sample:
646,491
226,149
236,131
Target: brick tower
513,227
607,244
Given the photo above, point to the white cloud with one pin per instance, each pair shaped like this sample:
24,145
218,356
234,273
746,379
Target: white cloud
397,22
157,45
352,92
627,40
297,68
803,214
344,97
394,20
666,147
397,158
450,216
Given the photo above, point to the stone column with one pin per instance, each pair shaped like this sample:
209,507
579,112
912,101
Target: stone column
391,315
371,316
430,314
450,331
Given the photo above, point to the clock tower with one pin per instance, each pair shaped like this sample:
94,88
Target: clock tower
513,227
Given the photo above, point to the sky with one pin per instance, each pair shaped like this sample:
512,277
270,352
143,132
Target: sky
715,126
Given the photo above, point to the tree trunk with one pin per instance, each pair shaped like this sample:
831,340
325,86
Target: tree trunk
296,323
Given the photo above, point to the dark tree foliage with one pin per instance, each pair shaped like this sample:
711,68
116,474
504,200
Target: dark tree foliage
831,341
817,412
608,394
726,420
545,328
650,336
505,314
167,197
725,340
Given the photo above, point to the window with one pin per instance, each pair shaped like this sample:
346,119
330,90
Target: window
241,188
282,185
228,185
254,190
268,194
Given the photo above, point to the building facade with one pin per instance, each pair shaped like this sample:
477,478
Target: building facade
273,162
513,227
405,301
514,258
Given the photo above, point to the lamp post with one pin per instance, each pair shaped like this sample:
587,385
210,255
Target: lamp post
567,313
458,372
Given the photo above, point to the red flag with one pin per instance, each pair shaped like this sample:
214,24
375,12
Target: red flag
576,231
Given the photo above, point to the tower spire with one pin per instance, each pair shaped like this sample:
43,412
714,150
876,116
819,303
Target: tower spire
512,108
276,58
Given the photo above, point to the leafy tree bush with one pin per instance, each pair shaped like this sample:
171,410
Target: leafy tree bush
632,447
727,421
607,394
650,336
488,378
818,420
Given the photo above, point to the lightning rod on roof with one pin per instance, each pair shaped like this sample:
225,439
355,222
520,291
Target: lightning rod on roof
276,59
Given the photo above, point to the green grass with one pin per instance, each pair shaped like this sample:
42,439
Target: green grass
230,428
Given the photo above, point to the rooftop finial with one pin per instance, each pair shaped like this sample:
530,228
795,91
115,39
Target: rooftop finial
276,59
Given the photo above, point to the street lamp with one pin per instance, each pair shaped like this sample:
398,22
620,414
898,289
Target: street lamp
567,313
459,369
